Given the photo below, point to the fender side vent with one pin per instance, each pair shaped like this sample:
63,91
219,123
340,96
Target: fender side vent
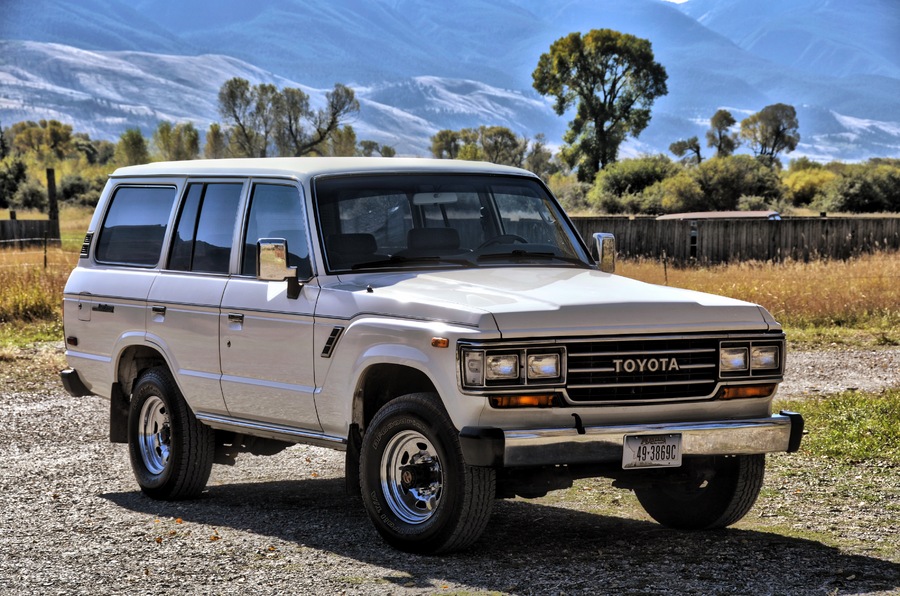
86,245
332,342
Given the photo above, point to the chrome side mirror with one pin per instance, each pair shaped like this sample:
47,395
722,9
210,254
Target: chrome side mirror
271,264
605,251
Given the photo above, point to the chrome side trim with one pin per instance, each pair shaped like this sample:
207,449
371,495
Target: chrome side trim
272,431
603,444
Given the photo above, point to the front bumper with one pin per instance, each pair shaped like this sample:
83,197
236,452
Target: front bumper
497,448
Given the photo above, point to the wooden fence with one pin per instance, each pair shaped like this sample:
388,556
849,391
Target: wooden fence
724,240
17,233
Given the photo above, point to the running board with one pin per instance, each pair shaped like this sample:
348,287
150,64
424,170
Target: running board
272,431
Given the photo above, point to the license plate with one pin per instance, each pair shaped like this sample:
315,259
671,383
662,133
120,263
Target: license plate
651,451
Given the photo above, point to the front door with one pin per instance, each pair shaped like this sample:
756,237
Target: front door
266,338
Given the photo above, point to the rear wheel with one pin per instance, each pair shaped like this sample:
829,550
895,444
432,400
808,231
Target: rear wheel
171,451
717,492
419,493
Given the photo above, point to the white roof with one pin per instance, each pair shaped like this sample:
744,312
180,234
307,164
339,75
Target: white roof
307,167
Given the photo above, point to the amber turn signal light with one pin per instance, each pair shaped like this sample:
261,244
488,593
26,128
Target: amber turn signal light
743,391
521,401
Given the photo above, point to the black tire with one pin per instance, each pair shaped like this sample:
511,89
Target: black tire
171,451
719,492
417,489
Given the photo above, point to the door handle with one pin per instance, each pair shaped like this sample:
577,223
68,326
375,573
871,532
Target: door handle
236,318
158,310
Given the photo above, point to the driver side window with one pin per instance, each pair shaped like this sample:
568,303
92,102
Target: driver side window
276,211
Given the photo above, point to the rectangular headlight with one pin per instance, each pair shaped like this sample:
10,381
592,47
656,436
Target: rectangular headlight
502,367
733,360
764,358
543,366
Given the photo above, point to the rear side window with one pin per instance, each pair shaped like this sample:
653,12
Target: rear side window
135,225
205,228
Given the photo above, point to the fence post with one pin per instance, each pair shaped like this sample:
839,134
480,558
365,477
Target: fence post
52,204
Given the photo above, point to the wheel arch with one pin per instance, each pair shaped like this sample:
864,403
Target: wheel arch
382,383
132,361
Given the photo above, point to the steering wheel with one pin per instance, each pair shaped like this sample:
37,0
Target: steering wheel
502,239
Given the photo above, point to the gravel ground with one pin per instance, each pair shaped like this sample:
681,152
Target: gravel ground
73,522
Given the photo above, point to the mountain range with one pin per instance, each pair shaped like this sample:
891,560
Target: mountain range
417,67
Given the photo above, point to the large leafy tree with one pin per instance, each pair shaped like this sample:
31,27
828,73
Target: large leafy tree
612,80
772,130
720,136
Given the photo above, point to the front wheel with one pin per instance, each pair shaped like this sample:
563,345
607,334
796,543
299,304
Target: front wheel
715,493
171,451
417,489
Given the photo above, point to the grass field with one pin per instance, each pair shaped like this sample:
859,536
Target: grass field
822,303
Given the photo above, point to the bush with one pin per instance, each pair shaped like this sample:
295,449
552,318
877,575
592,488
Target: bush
77,190
30,195
632,176
724,180
805,186
679,194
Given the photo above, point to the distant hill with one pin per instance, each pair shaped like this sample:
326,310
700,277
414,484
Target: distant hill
421,66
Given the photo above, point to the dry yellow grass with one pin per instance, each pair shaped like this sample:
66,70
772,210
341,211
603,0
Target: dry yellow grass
863,292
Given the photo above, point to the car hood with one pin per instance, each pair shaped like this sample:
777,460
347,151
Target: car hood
546,301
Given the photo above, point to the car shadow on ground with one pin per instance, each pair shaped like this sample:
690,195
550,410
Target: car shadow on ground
536,548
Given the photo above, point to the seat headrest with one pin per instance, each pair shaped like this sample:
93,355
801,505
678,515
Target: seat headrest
433,239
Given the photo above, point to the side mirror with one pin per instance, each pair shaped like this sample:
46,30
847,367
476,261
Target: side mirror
605,251
271,264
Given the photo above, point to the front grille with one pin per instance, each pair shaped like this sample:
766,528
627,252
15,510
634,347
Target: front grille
634,370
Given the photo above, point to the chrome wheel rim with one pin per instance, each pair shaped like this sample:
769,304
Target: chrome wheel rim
154,435
411,477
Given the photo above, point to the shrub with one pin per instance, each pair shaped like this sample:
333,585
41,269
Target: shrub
632,175
725,179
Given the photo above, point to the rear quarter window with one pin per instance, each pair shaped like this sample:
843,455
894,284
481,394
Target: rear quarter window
135,225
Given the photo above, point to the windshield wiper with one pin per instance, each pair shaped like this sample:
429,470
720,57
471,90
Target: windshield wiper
527,254
404,260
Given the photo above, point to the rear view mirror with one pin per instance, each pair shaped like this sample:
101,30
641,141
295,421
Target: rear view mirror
434,198
271,264
604,250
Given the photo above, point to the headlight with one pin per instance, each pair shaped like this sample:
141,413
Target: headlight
764,358
733,360
543,366
502,366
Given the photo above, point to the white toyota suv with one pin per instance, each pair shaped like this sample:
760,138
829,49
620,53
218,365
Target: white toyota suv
442,322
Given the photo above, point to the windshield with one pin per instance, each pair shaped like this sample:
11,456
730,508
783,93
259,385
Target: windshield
432,220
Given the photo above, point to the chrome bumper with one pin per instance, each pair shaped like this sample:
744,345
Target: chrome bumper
494,447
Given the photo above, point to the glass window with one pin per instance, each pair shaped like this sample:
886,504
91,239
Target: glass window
276,211
205,228
440,220
135,225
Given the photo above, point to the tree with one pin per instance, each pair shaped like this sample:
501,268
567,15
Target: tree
296,138
370,148
45,138
687,149
178,142
341,142
612,80
771,130
539,158
501,145
719,136
445,144
238,107
132,148
216,145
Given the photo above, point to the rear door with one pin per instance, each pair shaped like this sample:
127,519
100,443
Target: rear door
266,337
183,317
